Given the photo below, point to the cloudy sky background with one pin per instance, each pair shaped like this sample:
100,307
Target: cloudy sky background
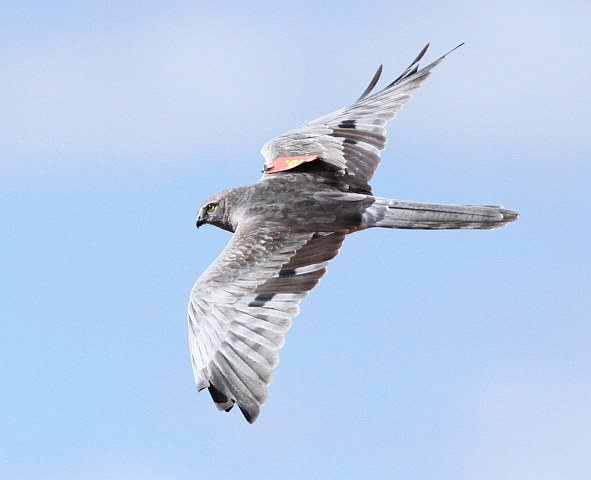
449,355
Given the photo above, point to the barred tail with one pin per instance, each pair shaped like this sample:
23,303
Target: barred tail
429,216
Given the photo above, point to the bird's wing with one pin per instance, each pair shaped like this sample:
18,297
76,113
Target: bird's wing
242,305
346,144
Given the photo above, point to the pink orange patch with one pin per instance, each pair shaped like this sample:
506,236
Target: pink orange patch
281,164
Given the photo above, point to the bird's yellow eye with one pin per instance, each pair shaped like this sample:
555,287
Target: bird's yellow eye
210,207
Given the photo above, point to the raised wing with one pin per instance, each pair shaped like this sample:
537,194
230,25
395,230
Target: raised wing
346,144
242,305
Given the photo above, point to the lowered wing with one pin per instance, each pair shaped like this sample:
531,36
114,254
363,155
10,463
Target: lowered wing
242,305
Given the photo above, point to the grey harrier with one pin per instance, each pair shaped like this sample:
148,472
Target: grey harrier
287,227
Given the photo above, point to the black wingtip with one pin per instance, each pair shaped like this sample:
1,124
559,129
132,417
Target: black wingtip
216,395
413,67
453,49
221,400
249,414
421,53
372,83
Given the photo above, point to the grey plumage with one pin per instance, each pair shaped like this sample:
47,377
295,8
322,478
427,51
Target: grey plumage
288,226
429,216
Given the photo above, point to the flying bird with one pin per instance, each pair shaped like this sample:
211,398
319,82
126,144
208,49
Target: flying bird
287,227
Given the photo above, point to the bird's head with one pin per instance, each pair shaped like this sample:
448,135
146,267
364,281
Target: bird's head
224,208
211,211
214,211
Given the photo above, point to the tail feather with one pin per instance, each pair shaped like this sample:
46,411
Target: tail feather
429,216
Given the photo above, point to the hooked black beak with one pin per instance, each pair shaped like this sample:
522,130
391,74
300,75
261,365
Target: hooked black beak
200,222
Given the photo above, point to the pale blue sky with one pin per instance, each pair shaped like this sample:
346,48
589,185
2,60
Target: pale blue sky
421,355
